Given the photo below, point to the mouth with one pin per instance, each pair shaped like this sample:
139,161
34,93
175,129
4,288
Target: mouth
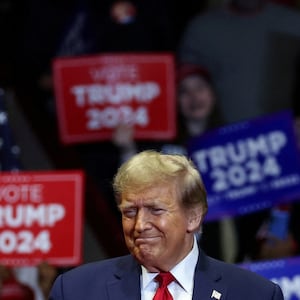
146,240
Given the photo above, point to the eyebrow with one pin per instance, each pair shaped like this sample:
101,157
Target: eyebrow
122,207
153,202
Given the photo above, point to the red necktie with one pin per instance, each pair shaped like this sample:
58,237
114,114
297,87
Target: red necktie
164,279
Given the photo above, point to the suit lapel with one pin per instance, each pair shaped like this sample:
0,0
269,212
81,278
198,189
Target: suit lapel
208,284
127,281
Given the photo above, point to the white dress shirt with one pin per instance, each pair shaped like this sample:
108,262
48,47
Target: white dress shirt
182,288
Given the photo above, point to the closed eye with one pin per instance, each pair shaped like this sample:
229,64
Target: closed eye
157,210
129,212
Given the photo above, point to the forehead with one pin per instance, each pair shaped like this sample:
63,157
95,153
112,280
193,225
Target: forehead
193,80
157,194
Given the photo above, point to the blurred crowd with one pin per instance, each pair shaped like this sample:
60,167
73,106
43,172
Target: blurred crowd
235,60
27,283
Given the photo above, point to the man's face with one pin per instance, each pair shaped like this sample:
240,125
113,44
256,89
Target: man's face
158,230
196,98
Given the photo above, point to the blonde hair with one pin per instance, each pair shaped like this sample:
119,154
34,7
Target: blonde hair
150,168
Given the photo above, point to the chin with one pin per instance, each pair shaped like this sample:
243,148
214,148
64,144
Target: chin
144,254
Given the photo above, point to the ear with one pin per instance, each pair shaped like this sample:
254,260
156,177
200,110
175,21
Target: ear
194,218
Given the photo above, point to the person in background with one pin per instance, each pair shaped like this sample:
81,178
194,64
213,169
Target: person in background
40,278
27,282
11,288
197,112
246,45
163,203
197,102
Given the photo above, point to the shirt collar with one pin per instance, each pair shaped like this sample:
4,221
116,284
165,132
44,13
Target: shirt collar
183,271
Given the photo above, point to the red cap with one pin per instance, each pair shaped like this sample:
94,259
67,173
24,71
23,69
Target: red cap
186,69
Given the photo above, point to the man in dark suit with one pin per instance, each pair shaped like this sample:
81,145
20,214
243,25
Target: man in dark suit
163,202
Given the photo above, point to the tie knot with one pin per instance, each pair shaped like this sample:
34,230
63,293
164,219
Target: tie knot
164,278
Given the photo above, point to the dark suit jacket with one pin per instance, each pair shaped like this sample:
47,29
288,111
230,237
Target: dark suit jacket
119,278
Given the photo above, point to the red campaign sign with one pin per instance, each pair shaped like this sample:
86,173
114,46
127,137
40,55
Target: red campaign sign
94,94
41,217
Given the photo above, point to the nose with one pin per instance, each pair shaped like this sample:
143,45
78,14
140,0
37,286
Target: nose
142,221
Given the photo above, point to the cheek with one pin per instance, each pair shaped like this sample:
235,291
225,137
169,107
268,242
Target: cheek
175,226
209,99
184,103
128,226
205,97
128,234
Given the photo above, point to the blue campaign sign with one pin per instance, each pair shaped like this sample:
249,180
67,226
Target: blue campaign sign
284,272
248,166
